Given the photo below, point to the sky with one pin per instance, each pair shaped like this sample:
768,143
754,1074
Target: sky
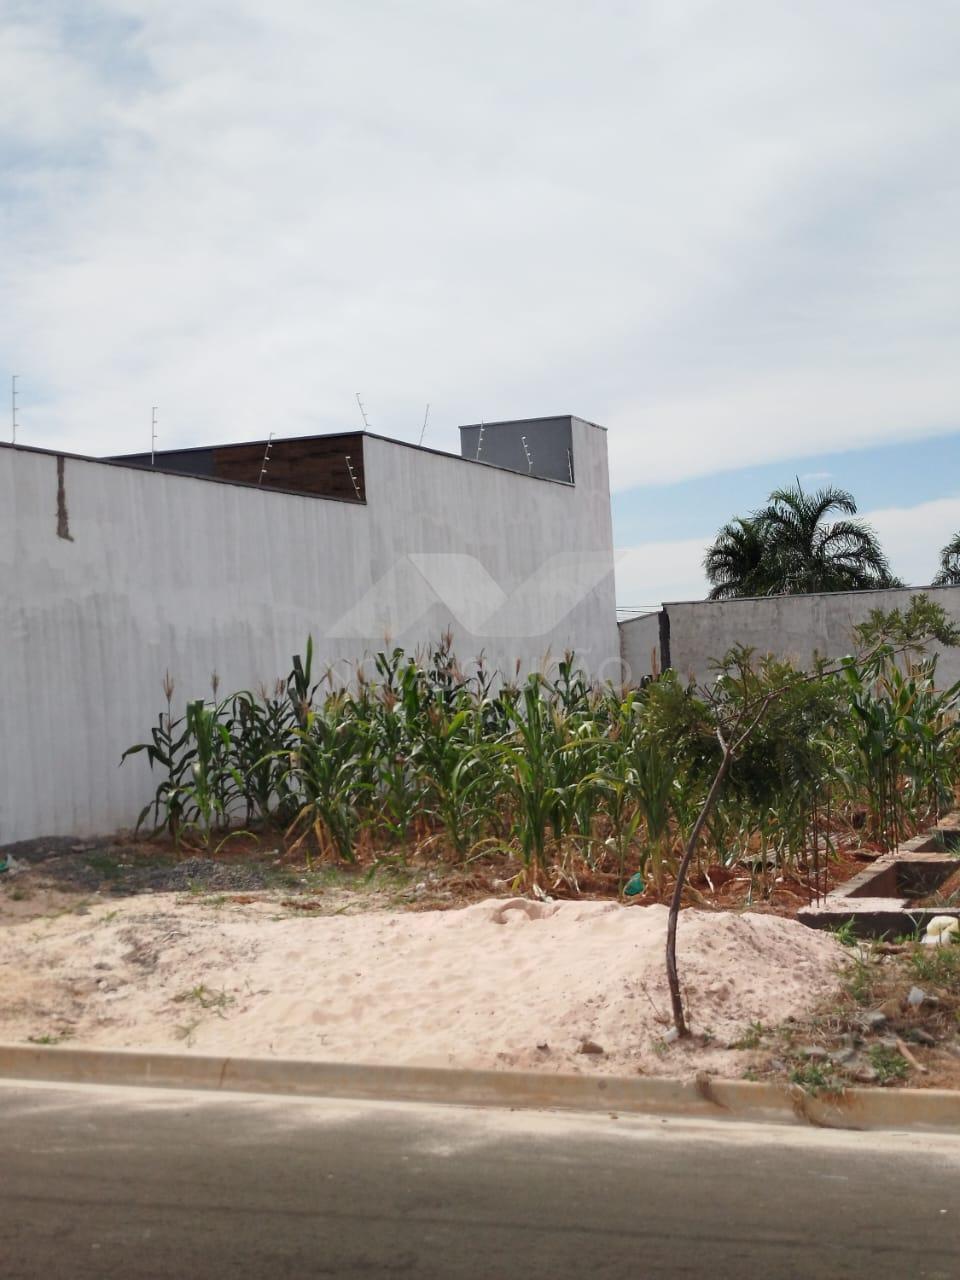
727,231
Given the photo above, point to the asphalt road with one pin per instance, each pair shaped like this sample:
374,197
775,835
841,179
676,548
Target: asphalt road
135,1183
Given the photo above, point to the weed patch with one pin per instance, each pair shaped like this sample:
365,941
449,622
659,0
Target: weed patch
215,1001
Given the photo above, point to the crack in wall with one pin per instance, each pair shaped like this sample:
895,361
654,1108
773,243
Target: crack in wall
63,518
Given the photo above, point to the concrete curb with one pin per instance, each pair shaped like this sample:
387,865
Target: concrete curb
699,1097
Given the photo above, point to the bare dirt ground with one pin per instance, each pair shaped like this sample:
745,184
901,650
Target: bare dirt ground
340,973
131,944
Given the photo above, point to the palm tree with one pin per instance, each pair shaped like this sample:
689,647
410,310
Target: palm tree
811,553
791,547
737,563
949,574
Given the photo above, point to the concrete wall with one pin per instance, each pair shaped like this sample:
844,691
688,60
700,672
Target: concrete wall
548,441
795,627
165,572
640,647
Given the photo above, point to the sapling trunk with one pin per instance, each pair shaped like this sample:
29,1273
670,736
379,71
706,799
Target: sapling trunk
673,917
729,746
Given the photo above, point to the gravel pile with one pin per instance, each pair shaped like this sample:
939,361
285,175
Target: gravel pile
196,873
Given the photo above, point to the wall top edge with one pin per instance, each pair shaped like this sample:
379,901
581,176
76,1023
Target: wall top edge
521,422
124,461
809,595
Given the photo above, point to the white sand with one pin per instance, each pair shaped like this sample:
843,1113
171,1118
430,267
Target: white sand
483,986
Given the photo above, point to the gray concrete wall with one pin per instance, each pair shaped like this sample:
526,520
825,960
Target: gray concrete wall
794,627
166,572
549,442
640,647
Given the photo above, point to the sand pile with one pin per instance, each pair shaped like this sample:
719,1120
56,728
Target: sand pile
510,983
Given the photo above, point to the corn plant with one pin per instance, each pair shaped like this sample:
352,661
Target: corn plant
263,730
170,750
655,777
322,770
453,763
554,773
213,785
612,787
527,759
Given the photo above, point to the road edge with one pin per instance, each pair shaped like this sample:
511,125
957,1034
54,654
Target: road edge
701,1096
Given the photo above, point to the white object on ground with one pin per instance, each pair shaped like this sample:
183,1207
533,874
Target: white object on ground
941,931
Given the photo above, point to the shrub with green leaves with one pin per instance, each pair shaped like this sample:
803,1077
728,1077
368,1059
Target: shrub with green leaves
559,776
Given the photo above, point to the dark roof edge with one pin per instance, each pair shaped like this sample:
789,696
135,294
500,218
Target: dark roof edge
233,444
183,475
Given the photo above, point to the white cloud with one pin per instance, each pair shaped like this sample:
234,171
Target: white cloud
652,573
795,413
913,536
728,232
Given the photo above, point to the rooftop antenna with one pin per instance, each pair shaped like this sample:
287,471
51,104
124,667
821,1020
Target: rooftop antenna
266,459
479,442
423,429
363,413
153,434
13,409
523,441
353,477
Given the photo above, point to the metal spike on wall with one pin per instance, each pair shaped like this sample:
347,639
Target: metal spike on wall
266,459
423,429
353,477
523,441
363,413
153,434
13,408
570,464
479,442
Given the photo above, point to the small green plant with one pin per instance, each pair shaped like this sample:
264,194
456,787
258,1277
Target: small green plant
889,1064
106,867
816,1077
906,939
845,934
751,1038
859,980
216,1001
939,966
50,1037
